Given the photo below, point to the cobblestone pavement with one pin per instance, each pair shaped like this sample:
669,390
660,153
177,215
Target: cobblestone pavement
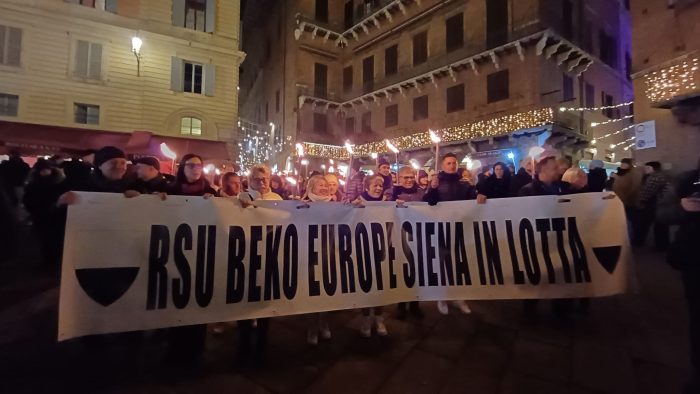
634,343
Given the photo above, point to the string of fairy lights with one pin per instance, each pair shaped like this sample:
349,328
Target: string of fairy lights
468,131
595,140
594,109
259,143
672,81
596,124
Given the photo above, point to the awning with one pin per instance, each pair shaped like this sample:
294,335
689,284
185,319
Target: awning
36,139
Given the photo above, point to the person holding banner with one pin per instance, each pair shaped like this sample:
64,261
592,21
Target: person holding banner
149,179
384,169
407,190
522,177
230,185
497,185
334,187
259,189
374,191
317,191
447,186
186,343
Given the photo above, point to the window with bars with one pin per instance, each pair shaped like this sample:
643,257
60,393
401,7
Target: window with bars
8,104
190,126
10,45
86,113
88,60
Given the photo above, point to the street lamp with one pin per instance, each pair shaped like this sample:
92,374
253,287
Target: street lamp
136,49
511,157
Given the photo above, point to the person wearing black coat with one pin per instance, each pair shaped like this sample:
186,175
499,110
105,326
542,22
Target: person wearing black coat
186,343
522,177
684,255
597,176
498,184
46,185
546,183
447,186
149,180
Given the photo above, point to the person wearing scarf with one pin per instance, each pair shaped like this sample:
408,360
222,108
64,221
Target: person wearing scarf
317,191
374,191
408,190
186,343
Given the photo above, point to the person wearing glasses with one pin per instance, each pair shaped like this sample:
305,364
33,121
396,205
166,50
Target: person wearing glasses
186,343
255,330
408,190
259,185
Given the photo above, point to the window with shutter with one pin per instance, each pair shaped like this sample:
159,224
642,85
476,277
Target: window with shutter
10,45
320,123
193,77
420,108
454,29
367,122
86,113
349,126
88,60
567,88
455,98
368,74
590,95
347,79
8,104
498,86
195,14
420,48
391,60
391,116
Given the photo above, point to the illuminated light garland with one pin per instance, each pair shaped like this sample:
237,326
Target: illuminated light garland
667,83
255,146
593,141
596,124
630,146
581,109
468,131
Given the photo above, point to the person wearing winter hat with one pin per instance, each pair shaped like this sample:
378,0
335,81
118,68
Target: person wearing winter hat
108,177
149,179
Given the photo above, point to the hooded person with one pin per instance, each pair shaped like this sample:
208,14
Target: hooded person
597,176
498,184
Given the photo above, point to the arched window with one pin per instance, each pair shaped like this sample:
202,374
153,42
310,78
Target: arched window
190,126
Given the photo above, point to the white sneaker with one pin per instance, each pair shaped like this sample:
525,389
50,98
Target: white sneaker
312,337
462,306
381,327
442,308
366,327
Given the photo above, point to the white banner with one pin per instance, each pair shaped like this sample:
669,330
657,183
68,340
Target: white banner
142,263
645,135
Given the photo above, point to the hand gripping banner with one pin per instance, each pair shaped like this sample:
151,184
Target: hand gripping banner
143,263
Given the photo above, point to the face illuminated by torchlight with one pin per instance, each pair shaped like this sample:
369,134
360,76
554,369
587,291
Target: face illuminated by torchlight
376,187
321,188
232,187
449,165
332,181
193,169
114,169
260,182
499,171
407,177
384,169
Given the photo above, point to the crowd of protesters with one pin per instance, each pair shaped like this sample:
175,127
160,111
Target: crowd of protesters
648,194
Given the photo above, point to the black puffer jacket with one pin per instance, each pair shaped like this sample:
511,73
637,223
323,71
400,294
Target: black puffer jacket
450,189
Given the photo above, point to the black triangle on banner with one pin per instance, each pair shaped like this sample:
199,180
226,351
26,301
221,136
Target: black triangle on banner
106,285
608,256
